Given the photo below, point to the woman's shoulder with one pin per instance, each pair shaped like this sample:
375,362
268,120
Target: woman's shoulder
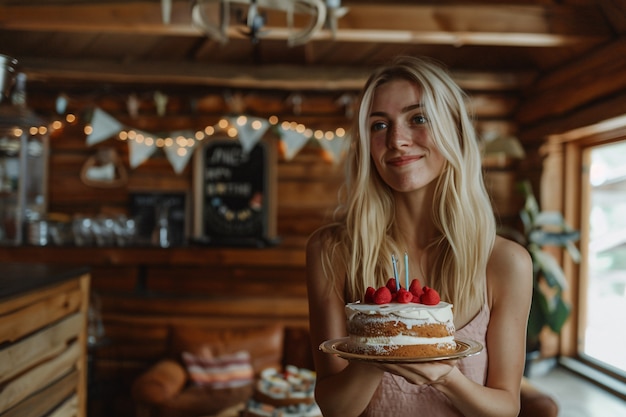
503,246
509,266
506,251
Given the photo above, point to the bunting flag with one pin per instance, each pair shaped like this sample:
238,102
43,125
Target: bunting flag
103,127
140,148
293,141
61,104
335,148
181,149
181,145
249,130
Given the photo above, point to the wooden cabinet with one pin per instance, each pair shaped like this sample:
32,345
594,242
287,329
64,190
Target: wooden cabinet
43,340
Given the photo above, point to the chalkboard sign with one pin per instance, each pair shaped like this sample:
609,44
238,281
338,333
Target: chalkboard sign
234,194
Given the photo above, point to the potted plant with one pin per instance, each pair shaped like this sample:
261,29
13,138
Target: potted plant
542,229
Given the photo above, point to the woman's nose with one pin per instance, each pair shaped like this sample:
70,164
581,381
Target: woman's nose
398,136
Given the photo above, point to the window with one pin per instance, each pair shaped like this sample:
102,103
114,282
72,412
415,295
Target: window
602,318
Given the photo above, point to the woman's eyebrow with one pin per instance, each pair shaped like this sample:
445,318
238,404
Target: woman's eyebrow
411,107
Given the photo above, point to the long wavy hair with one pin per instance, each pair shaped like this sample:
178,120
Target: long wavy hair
362,238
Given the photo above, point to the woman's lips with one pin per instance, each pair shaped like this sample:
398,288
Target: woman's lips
403,160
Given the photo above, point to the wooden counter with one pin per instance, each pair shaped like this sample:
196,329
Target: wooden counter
283,256
43,339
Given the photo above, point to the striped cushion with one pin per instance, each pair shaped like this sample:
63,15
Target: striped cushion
226,371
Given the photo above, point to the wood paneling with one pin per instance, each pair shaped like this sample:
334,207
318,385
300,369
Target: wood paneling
584,81
43,362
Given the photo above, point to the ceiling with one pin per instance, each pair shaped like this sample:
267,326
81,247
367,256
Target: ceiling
495,49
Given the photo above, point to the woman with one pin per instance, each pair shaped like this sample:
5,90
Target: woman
414,184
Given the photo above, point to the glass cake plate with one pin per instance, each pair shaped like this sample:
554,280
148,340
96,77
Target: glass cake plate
338,347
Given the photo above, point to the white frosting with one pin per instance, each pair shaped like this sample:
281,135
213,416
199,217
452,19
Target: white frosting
400,340
422,313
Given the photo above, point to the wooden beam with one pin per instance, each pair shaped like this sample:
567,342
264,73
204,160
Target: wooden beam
269,77
277,77
612,107
458,25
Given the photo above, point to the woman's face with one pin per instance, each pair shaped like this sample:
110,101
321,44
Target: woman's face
400,145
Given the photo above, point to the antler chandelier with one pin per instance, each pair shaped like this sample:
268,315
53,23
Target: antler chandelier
215,17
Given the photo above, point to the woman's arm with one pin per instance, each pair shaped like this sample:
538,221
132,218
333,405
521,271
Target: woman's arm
509,288
342,388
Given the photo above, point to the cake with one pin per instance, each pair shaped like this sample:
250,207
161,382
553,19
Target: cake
393,321
289,393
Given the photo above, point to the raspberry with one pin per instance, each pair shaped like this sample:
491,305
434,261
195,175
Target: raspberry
382,296
369,294
416,288
430,297
404,296
391,284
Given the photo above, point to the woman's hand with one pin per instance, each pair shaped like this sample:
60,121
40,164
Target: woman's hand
425,373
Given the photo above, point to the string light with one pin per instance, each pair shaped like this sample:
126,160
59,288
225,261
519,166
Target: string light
186,143
224,125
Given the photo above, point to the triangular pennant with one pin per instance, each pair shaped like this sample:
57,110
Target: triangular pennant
103,126
140,149
61,104
249,130
335,147
293,142
181,150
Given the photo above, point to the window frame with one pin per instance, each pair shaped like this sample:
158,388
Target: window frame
565,170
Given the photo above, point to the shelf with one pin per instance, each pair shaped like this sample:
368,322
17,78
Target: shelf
192,256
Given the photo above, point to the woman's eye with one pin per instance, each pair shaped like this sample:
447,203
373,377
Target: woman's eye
376,126
420,119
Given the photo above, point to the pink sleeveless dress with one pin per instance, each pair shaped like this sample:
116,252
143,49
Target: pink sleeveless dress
399,398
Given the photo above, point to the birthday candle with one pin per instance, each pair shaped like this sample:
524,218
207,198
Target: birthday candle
395,271
406,270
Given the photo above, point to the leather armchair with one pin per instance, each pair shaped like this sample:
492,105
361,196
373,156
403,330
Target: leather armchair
164,390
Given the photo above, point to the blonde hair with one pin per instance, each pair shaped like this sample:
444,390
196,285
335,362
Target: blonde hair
362,237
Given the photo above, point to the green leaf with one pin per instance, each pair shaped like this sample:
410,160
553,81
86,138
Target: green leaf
549,268
531,206
538,316
550,218
558,315
560,239
526,221
573,251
